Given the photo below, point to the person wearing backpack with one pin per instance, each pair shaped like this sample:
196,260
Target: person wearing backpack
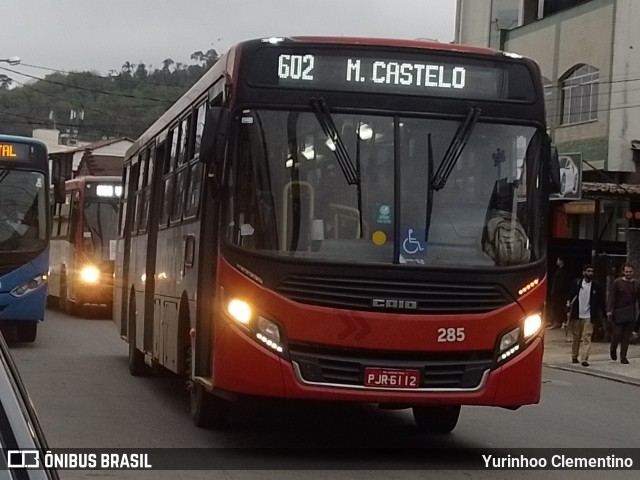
622,311
586,303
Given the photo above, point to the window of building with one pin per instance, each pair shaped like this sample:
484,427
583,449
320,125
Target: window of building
549,103
580,95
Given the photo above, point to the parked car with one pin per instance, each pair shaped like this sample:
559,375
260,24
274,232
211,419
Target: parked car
19,426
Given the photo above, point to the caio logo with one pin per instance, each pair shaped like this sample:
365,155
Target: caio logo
393,303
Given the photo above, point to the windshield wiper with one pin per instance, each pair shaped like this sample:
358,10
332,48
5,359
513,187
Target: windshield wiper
6,170
323,115
427,223
458,142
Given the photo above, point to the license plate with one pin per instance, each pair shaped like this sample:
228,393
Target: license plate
391,378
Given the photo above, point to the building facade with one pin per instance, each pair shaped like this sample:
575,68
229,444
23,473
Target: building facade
589,55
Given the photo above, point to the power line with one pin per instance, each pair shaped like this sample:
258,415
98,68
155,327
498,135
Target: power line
33,121
79,107
133,79
104,92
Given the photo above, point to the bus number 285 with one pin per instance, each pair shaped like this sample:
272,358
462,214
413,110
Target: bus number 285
451,334
295,67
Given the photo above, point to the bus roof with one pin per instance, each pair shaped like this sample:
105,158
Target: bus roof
18,139
395,42
225,64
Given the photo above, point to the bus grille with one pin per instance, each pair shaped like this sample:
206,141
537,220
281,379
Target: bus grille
459,370
358,294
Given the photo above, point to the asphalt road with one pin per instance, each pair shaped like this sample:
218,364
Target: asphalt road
77,375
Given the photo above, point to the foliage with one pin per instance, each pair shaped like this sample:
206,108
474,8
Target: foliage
90,107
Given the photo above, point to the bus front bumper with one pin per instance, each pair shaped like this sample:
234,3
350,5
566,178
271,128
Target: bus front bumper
242,366
26,308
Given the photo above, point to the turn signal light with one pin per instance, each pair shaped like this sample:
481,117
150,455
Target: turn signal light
528,287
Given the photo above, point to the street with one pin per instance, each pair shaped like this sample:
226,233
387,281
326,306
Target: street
77,375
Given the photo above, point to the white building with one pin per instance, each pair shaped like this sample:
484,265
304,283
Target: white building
589,55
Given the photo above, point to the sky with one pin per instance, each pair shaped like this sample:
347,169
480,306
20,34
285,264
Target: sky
101,35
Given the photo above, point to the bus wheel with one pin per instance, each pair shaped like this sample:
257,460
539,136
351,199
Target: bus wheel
208,410
440,419
137,366
27,331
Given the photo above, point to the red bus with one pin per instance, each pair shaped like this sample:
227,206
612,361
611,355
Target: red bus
342,219
83,245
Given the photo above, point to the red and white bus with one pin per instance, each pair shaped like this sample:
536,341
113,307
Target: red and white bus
83,244
342,219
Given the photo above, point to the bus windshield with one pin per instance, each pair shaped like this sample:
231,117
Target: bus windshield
291,195
23,215
100,229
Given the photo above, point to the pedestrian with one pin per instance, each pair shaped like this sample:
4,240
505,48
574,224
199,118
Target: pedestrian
558,295
621,311
586,304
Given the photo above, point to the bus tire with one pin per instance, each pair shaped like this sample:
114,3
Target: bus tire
436,419
208,410
184,337
27,331
137,366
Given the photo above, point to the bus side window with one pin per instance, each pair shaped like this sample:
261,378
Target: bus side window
193,192
182,172
61,218
167,194
123,202
75,212
200,117
178,197
184,135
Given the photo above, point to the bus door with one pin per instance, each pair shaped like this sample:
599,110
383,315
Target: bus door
60,247
68,279
168,258
212,155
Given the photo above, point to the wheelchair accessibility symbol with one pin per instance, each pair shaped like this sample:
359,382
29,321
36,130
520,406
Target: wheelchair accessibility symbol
413,242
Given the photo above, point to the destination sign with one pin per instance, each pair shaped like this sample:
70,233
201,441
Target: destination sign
407,73
14,151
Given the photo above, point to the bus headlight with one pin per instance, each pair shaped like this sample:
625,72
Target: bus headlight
509,344
269,334
532,325
29,286
261,329
239,310
89,274
516,339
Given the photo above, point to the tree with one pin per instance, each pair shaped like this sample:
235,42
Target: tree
141,72
198,57
210,58
128,68
5,82
166,63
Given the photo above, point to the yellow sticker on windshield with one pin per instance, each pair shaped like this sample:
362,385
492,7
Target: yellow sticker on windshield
379,238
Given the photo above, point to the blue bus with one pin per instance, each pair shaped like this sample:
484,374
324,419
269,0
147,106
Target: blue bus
24,233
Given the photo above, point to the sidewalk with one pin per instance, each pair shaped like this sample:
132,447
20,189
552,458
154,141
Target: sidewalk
557,354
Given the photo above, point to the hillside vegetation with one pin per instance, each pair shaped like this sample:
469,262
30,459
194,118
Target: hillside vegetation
90,107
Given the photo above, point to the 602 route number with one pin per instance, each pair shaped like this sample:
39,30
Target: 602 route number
451,334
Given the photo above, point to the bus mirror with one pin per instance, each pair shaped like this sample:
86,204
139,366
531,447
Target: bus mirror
214,135
554,172
59,190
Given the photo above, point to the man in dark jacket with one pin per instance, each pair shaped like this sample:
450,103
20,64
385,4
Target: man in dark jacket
624,294
558,295
586,303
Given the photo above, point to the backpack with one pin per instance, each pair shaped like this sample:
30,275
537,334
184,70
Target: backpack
504,239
